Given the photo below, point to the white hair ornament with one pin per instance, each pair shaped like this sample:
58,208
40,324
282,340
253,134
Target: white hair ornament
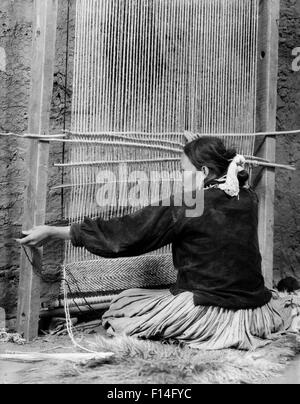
231,186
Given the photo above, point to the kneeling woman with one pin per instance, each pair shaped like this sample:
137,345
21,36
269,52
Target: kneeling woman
220,299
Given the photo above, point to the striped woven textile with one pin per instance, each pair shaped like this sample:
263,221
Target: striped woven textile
157,314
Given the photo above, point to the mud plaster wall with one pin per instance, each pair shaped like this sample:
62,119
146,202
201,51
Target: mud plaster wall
15,61
16,44
287,204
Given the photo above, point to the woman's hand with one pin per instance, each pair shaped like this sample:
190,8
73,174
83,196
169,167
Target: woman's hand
40,235
36,237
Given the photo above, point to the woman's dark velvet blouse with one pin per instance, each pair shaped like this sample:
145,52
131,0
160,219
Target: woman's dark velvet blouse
216,255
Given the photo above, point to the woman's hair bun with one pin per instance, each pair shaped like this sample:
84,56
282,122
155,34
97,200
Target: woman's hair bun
243,177
211,152
230,154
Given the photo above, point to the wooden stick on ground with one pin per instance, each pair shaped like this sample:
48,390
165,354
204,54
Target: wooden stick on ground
80,358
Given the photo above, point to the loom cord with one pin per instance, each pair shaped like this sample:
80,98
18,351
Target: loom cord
42,276
80,291
59,279
66,285
68,317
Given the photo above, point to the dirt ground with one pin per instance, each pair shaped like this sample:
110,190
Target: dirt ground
41,372
65,373
19,373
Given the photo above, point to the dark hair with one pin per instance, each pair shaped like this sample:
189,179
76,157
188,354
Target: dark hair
288,284
211,152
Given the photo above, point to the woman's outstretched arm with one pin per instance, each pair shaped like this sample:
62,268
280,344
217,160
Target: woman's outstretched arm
146,230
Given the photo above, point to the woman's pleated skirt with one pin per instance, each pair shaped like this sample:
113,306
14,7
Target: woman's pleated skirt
157,314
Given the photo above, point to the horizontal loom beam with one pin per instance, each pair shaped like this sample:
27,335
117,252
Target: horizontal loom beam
61,137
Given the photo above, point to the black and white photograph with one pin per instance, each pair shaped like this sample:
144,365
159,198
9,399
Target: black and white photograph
149,195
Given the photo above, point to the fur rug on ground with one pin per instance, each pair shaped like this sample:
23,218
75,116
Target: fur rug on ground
148,362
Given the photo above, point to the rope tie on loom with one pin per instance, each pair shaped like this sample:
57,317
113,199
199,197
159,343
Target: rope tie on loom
231,186
69,324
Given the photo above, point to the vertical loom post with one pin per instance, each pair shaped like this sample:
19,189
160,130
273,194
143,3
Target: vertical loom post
44,35
266,121
2,319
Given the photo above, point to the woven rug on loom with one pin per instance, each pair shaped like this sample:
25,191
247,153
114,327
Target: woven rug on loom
147,362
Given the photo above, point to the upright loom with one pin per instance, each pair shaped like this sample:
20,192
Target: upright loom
145,73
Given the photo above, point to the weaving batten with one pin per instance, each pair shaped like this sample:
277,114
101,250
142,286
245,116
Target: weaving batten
33,136
250,161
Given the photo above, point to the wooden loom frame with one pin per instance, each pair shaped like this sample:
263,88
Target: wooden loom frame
44,37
